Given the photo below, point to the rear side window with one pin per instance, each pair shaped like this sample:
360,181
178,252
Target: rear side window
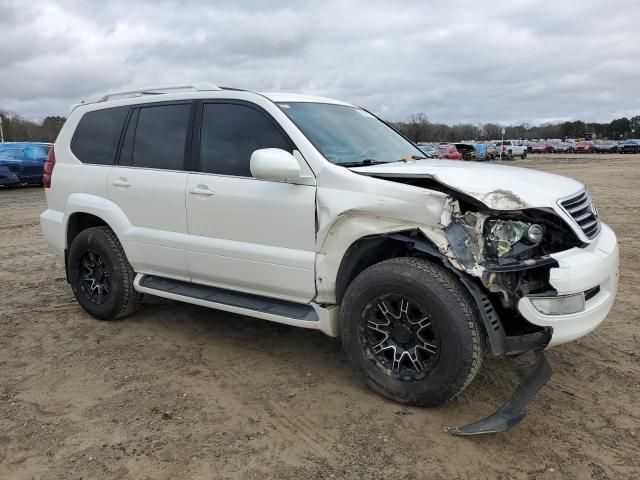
160,137
97,136
230,133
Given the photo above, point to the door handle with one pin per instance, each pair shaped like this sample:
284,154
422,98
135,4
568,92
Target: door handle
201,190
121,183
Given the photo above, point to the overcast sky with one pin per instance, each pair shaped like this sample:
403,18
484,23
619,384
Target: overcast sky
457,61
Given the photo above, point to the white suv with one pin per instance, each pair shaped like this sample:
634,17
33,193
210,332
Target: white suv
314,213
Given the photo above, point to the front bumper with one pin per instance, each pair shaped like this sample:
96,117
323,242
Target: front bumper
579,270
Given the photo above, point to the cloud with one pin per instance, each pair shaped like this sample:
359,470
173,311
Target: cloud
457,61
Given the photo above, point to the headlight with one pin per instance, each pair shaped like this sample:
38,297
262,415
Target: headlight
504,234
535,233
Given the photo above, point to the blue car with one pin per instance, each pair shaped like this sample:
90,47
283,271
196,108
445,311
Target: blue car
22,162
429,150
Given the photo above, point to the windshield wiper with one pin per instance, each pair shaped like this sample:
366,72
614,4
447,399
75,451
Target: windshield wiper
361,163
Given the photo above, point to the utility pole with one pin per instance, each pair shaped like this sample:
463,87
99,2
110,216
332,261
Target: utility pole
1,132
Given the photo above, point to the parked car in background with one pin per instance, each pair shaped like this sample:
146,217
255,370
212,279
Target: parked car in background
429,150
509,148
543,148
629,146
22,163
606,147
449,152
467,150
481,151
564,147
492,151
584,147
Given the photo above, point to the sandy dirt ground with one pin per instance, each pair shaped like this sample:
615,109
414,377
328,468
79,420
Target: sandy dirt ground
179,391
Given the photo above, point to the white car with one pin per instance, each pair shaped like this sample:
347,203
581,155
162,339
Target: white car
312,212
509,149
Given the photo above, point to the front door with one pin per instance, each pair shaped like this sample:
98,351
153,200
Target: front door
247,234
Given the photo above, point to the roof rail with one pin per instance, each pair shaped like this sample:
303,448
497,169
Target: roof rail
198,87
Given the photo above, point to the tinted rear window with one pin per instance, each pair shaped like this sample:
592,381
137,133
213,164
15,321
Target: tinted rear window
97,136
160,137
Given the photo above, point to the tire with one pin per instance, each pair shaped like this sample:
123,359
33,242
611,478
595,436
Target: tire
450,330
100,275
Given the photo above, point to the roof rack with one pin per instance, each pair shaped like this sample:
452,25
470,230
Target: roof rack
198,87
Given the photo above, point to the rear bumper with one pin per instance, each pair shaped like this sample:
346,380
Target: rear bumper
579,270
52,224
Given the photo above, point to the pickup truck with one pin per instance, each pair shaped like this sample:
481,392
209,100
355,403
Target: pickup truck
508,149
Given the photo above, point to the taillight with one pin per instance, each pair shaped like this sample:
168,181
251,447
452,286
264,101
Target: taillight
48,168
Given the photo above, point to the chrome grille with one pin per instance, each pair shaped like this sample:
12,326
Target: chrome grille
584,212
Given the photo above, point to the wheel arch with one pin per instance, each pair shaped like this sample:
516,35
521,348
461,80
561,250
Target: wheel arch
372,249
362,254
79,221
85,211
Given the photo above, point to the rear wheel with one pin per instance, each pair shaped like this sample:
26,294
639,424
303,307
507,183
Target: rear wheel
100,275
411,329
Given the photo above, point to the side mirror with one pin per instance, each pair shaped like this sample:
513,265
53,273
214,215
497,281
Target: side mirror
274,164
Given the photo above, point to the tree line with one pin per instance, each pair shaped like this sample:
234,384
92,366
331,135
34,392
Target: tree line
417,128
16,128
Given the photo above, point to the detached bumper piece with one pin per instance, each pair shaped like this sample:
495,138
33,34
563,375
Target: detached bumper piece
514,410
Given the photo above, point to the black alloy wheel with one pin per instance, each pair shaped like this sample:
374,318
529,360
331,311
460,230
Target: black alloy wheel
96,282
398,335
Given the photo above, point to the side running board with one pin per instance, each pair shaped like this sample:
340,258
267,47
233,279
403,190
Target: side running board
237,302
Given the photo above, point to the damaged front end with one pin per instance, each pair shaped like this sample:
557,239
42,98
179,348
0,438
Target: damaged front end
507,256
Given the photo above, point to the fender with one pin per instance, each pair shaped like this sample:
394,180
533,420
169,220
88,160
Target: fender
345,231
357,206
100,207
118,221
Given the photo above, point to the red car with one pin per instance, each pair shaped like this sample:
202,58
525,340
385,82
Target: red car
584,147
543,148
450,152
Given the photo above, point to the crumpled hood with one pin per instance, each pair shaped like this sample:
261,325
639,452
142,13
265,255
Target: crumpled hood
499,187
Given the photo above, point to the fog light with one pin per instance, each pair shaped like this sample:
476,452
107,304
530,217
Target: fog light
562,305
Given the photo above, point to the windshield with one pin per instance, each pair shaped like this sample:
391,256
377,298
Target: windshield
348,135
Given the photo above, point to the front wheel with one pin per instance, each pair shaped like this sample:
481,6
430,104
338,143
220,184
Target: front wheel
100,275
411,329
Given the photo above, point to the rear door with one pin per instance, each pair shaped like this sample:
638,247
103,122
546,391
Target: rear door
247,234
148,184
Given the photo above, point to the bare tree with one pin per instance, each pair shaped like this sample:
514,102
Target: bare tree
417,127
